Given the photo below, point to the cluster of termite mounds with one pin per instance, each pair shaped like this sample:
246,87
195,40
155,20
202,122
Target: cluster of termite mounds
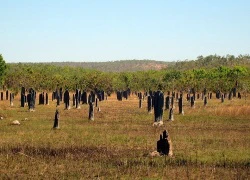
156,104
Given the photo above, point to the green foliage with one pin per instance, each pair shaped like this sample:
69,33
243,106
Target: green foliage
213,72
3,68
212,61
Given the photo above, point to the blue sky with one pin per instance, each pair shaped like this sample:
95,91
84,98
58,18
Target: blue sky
107,30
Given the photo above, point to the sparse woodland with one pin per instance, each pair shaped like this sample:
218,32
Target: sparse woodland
211,72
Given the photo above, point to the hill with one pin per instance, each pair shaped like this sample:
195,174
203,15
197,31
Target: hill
118,66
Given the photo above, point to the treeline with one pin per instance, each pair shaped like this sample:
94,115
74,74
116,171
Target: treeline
48,77
212,61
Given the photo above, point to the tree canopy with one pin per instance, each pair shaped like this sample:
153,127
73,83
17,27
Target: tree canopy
3,68
206,72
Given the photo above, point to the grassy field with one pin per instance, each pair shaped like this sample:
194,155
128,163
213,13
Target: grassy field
211,142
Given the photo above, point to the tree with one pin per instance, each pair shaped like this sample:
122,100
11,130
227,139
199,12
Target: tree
200,78
171,78
3,68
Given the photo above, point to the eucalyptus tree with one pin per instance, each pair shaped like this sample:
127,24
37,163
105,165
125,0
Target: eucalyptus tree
3,68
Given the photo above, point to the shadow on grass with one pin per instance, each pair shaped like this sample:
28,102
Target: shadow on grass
118,157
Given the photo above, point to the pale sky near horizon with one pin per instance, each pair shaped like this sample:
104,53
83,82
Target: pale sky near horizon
108,30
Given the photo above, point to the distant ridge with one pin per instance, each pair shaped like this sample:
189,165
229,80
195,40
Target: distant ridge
118,66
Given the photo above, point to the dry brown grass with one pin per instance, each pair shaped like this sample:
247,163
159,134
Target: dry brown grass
211,142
